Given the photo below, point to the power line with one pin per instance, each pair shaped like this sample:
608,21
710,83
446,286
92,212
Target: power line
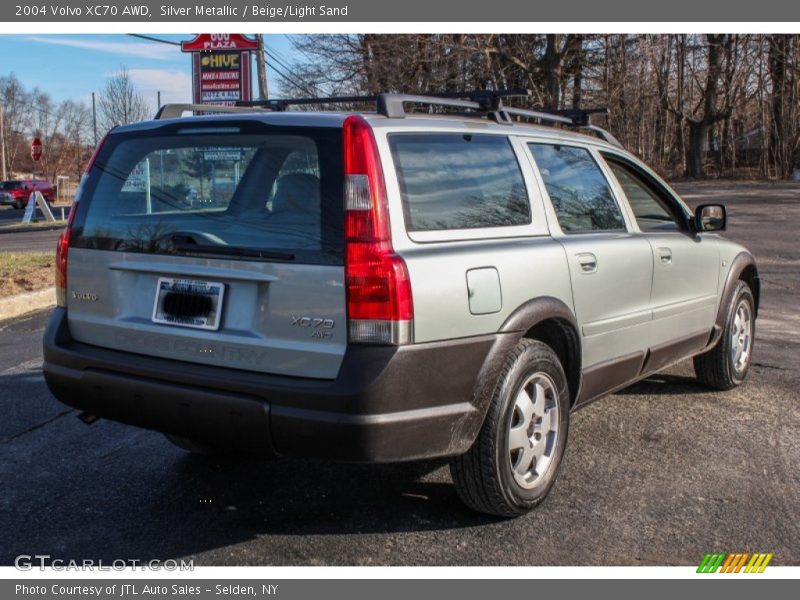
280,60
293,81
279,55
285,75
154,39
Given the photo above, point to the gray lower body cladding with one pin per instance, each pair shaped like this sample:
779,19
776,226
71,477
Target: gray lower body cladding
387,404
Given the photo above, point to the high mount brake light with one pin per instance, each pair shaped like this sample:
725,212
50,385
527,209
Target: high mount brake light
379,302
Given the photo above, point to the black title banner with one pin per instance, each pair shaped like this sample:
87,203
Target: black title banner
359,11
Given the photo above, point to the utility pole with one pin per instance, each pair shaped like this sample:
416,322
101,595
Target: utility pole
261,68
159,99
3,141
94,119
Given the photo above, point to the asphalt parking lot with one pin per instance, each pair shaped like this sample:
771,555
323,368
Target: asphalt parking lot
659,473
28,241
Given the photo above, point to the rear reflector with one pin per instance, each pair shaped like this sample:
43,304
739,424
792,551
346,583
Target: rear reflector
379,302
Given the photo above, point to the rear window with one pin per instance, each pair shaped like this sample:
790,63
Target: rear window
246,191
458,181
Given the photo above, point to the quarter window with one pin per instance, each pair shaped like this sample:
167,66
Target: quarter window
458,181
648,207
577,188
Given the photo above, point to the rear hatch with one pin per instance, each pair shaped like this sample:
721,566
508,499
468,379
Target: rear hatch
214,241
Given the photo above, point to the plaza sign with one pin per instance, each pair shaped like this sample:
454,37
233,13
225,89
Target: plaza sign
220,67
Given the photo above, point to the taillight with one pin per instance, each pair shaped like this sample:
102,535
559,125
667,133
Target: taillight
62,246
62,249
379,304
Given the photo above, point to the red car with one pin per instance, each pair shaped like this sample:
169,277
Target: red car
17,192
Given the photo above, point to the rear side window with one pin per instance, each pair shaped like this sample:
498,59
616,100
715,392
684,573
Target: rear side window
577,188
457,181
216,190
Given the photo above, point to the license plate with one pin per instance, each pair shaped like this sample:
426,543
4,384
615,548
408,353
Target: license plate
188,303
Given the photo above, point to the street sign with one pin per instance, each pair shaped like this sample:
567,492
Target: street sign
36,149
34,200
220,67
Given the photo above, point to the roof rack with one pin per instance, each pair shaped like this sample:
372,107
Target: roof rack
480,103
393,105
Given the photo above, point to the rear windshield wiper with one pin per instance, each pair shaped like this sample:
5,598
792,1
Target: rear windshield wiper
186,243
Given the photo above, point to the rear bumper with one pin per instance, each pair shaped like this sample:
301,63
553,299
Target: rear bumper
387,404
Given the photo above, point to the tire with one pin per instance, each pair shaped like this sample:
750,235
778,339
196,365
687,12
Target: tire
531,385
17,205
725,366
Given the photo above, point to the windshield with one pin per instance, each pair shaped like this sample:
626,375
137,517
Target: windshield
251,191
9,185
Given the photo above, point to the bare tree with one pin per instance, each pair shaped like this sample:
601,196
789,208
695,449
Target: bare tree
557,49
18,113
688,104
784,134
63,128
119,103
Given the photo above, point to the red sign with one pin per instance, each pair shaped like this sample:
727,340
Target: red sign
220,67
219,41
36,149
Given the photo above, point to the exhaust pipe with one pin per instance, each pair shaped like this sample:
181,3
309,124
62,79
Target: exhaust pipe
88,418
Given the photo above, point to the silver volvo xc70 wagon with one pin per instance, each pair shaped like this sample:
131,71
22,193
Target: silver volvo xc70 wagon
386,286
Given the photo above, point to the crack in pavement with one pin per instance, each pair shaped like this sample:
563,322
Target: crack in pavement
766,366
33,428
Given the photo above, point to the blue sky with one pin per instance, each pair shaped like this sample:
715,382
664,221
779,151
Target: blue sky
74,66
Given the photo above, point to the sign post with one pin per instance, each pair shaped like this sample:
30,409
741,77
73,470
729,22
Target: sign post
36,155
220,67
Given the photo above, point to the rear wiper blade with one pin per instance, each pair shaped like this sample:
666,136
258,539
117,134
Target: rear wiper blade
231,251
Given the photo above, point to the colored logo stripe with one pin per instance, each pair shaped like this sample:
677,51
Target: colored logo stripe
734,562
758,563
711,562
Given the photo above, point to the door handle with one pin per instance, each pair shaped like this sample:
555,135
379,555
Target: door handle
588,262
665,255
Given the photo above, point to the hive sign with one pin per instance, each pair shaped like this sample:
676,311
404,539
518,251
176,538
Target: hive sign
220,67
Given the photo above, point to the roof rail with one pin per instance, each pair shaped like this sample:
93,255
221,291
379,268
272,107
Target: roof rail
392,105
479,103
389,105
604,135
176,110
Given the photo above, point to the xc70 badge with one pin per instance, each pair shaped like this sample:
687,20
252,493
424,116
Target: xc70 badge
319,326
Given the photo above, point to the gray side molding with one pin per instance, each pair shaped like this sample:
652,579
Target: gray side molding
742,261
550,320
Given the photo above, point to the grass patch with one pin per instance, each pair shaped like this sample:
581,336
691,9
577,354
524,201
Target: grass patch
26,272
42,224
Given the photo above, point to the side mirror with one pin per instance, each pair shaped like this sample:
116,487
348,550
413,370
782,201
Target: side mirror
710,217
